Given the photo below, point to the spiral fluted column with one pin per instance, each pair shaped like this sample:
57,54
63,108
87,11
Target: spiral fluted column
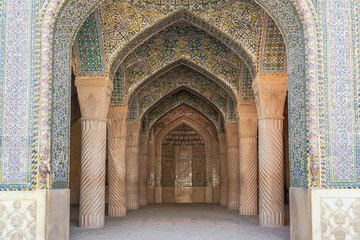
271,172
248,176
143,147
248,162
92,191
94,98
117,127
232,165
270,95
132,166
223,170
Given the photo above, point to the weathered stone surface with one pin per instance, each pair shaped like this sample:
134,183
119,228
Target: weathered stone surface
270,95
143,147
248,161
132,166
117,127
94,99
232,165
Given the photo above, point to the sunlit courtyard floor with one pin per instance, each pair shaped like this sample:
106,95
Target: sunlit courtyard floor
179,221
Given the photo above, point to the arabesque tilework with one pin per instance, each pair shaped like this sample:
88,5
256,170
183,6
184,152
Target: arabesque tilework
340,163
179,98
188,111
55,143
272,58
246,93
89,47
117,96
55,75
18,30
241,21
177,42
182,76
306,103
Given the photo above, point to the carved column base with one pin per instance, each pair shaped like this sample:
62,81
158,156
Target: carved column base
117,211
132,206
223,202
142,202
92,221
271,218
158,194
248,210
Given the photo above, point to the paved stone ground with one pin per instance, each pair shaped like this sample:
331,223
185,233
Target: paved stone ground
179,222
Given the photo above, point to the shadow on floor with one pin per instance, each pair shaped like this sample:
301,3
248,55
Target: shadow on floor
179,221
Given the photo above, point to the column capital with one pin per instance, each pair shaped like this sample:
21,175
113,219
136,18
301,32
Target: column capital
94,95
247,121
118,112
133,131
270,94
232,135
117,122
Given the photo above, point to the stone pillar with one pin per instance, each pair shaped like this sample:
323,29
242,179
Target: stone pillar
232,164
117,127
143,148
157,172
270,95
248,161
223,170
94,98
132,166
151,177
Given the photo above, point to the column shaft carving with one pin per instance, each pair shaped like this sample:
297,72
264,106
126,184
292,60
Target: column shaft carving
248,176
116,160
248,161
270,96
223,170
132,166
143,147
92,191
271,178
233,165
151,177
158,187
94,99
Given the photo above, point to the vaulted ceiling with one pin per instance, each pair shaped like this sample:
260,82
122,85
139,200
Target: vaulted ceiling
163,54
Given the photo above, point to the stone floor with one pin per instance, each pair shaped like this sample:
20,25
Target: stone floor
179,221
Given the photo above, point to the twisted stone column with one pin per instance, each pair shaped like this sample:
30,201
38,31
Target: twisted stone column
232,165
157,172
94,98
151,177
92,183
271,172
248,160
270,95
117,127
132,166
223,170
143,147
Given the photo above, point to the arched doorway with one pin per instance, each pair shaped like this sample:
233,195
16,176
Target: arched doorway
225,84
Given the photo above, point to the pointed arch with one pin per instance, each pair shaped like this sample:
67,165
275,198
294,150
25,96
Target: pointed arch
175,99
173,18
186,62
